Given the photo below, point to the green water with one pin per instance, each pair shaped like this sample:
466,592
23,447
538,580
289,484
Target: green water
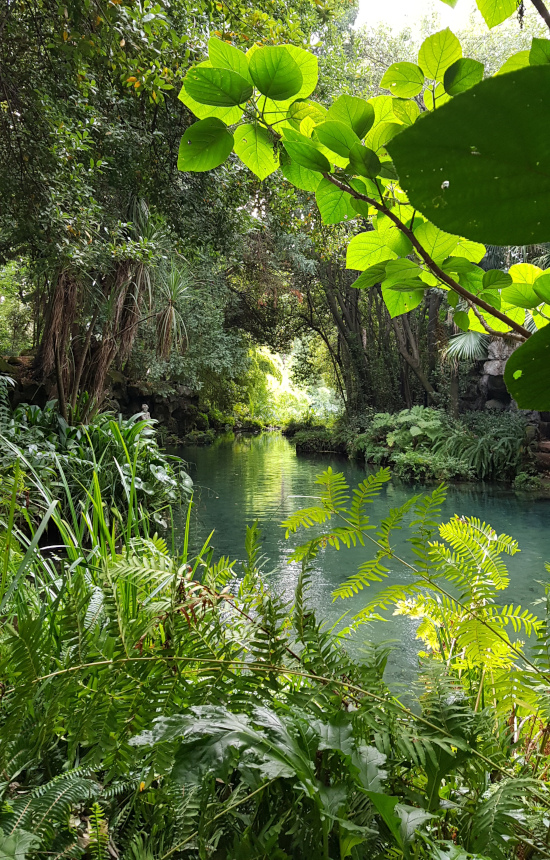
242,479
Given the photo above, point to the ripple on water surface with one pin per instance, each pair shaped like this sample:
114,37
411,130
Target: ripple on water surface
240,479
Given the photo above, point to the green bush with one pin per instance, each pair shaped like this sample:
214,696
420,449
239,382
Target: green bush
122,456
424,465
318,440
527,482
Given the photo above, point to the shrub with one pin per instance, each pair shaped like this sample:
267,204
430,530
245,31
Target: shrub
527,482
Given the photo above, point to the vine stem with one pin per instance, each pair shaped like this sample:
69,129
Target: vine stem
437,270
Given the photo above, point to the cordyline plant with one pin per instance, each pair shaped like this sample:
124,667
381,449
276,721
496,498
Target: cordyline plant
444,163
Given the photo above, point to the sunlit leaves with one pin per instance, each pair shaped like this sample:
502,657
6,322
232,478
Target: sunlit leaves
301,109
337,136
527,373
204,146
225,56
515,62
480,165
496,11
255,148
403,79
364,161
304,152
228,115
299,176
539,55
367,249
275,72
494,279
217,87
399,302
435,97
436,242
405,110
354,112
462,75
334,203
541,287
437,53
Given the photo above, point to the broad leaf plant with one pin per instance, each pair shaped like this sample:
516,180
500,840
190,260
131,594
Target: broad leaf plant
428,173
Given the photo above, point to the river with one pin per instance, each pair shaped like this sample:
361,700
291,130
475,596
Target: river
240,479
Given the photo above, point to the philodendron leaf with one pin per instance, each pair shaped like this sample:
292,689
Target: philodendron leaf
254,146
364,161
355,112
437,53
275,73
224,56
337,137
527,372
217,87
205,145
403,79
496,11
462,75
334,204
464,169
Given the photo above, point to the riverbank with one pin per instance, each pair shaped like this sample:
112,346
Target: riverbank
426,444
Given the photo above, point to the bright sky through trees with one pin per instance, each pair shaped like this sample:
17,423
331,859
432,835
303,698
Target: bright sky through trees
407,13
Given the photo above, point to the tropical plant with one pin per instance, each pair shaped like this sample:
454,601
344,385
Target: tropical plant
265,96
121,457
157,705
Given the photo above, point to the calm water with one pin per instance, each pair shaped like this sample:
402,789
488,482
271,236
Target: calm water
242,479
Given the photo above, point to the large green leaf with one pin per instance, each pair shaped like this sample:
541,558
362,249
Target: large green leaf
301,109
228,115
367,249
371,276
217,87
309,69
403,79
436,242
364,161
539,54
16,845
406,111
462,75
225,56
304,152
334,204
299,176
205,145
381,133
437,53
527,372
480,165
355,112
392,235
254,146
337,137
517,61
542,287
275,72
399,302
496,11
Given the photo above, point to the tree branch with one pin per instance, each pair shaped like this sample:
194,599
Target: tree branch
437,270
542,10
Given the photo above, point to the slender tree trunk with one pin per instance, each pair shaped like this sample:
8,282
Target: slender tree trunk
59,378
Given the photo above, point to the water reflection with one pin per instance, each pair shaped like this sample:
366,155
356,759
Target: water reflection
241,479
